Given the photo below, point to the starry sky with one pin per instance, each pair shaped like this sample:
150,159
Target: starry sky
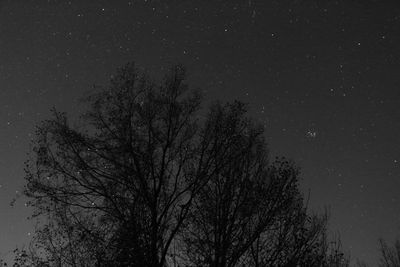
323,77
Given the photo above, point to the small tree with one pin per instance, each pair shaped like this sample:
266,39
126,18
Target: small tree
389,254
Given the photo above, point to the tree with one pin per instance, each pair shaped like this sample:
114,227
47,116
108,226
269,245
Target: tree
119,189
390,254
144,180
294,239
250,212
243,198
334,256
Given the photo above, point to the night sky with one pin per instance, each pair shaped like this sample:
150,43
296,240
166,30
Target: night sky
323,77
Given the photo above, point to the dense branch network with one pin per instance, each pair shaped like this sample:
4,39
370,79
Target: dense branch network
149,179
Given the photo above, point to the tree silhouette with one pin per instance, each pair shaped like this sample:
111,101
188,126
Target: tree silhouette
145,180
250,212
118,190
243,206
389,254
334,255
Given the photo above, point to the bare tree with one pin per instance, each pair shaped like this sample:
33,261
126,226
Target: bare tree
294,239
250,212
146,181
335,256
389,254
224,222
119,188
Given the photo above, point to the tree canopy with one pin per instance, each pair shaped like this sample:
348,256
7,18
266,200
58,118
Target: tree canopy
148,178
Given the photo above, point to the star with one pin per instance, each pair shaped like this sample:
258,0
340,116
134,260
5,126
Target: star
311,134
